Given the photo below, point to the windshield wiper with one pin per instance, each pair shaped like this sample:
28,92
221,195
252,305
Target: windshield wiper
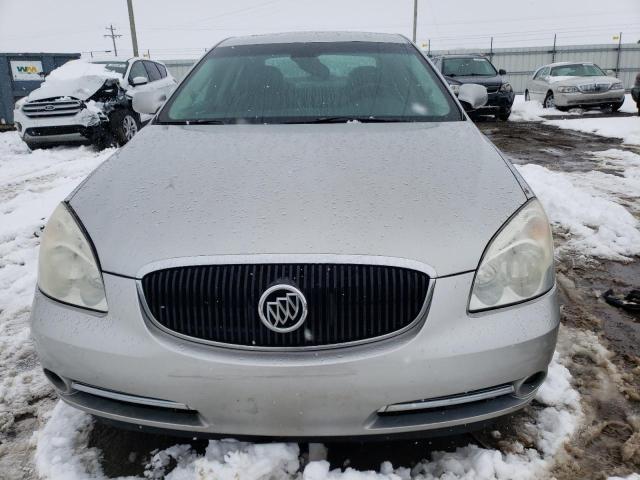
346,119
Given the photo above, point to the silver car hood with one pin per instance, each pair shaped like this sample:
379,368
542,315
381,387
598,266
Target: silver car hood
430,192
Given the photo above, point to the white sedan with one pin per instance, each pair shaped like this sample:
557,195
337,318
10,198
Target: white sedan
568,85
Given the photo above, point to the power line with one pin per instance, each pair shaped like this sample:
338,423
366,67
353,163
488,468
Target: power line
113,36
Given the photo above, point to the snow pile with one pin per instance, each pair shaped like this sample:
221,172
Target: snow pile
625,128
599,226
59,456
629,106
62,451
622,185
80,68
532,111
31,185
77,78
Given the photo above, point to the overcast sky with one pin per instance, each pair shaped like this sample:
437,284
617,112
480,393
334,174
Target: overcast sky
184,28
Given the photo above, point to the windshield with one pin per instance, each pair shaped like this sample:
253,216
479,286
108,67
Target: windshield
311,82
118,67
466,67
577,70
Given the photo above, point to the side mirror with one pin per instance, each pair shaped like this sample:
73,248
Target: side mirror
611,73
139,81
472,96
148,102
502,71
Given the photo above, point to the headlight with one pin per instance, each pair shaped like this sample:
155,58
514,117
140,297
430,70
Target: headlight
67,268
20,103
518,262
617,86
454,88
568,89
506,87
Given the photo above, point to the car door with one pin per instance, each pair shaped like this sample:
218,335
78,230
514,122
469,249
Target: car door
539,84
166,83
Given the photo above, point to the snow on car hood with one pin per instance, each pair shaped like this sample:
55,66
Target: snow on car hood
430,192
77,78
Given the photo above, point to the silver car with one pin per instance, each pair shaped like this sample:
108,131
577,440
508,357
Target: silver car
568,85
311,239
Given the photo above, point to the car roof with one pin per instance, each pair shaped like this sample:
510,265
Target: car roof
559,64
311,37
461,55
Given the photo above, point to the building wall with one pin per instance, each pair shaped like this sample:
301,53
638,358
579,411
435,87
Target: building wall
179,68
520,63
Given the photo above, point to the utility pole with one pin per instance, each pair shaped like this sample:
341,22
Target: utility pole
618,58
415,19
553,52
113,36
132,24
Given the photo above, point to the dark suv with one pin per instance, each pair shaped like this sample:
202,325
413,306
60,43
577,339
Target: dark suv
469,68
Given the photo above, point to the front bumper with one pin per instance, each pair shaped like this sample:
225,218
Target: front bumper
330,393
498,101
579,99
55,130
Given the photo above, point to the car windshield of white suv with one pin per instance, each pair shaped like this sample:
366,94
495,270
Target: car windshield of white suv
117,67
577,70
466,67
312,83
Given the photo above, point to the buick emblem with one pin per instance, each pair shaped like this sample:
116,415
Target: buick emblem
282,308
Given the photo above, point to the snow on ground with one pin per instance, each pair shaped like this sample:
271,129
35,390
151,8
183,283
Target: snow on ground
31,185
623,127
532,111
592,206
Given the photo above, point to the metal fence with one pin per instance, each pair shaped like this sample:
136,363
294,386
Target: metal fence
520,63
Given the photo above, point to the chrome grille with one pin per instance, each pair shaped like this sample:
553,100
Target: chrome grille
594,87
52,107
346,302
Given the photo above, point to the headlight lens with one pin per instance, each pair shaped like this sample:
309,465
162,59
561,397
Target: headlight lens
454,88
20,103
567,89
517,264
506,87
617,86
67,268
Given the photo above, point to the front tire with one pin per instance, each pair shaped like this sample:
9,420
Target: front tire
124,125
549,101
616,106
504,114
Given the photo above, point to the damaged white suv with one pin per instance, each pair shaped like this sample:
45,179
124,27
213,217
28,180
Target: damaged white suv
89,102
